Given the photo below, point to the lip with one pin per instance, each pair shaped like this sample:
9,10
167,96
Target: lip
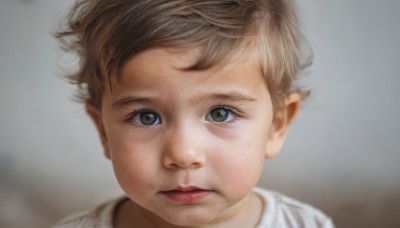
186,194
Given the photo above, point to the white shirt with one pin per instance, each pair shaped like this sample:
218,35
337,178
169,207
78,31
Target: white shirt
279,212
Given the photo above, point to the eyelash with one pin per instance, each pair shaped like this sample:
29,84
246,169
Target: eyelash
232,111
129,118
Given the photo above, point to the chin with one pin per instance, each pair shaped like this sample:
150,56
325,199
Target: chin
184,222
189,218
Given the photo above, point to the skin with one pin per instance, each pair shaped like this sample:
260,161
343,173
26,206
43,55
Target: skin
186,145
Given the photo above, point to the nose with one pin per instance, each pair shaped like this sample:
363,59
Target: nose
182,149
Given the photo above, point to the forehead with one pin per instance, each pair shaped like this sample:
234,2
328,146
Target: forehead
178,59
181,60
163,73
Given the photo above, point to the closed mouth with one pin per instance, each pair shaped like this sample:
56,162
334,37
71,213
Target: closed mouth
186,194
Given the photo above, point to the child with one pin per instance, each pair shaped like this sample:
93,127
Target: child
189,98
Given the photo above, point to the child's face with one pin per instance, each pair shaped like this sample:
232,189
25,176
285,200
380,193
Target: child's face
188,146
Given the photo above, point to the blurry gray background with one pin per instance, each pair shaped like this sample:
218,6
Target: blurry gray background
341,155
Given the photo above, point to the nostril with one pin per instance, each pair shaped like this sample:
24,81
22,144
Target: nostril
197,165
182,164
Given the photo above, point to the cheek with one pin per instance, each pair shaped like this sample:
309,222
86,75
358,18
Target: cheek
133,163
129,169
240,160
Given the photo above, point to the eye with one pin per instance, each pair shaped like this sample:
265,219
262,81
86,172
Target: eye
146,118
220,115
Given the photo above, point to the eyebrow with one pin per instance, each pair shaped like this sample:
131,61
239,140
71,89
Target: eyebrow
126,101
232,97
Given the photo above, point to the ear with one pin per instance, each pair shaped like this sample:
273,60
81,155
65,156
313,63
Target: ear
282,119
95,115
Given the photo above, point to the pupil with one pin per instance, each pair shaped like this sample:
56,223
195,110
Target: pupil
219,114
148,118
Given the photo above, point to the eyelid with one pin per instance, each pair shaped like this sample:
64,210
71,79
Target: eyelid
233,111
130,116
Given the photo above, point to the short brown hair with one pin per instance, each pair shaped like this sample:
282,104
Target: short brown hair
106,33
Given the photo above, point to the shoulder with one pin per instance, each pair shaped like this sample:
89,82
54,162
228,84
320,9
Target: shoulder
100,216
283,211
